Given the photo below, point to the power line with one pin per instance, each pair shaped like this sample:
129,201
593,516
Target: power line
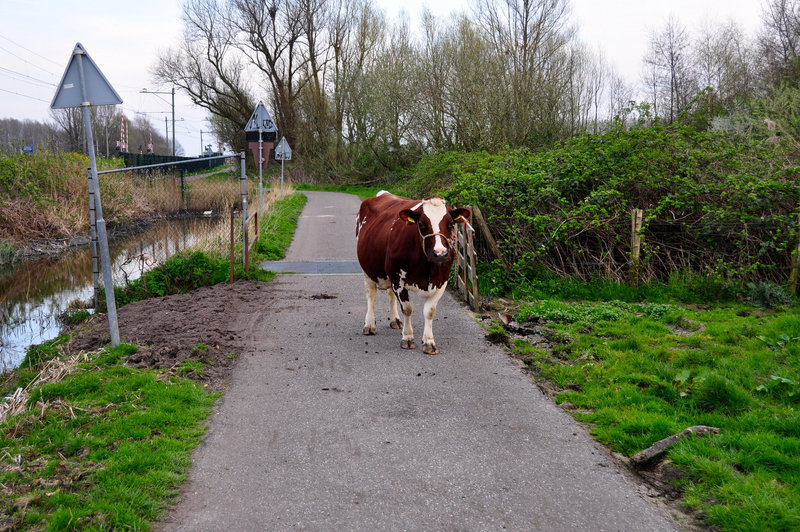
34,65
24,95
30,51
40,81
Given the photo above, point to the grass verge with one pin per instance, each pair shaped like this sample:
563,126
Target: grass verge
362,192
87,443
94,444
637,373
278,227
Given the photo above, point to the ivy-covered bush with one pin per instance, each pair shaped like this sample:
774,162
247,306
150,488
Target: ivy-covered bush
713,203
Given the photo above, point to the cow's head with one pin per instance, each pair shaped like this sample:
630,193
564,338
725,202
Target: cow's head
435,222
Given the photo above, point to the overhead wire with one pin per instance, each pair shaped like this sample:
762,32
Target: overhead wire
27,78
30,51
24,95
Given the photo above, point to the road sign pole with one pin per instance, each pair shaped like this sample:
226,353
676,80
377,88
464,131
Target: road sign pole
105,256
93,232
243,180
282,161
260,180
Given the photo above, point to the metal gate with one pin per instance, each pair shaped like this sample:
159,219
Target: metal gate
466,273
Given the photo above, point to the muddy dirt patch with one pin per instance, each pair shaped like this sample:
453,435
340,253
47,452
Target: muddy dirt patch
210,325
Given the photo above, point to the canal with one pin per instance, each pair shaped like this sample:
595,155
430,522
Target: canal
36,293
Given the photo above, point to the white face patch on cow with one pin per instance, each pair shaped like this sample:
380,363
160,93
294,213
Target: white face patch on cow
436,209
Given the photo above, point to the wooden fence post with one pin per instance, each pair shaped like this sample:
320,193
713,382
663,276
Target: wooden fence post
487,235
636,244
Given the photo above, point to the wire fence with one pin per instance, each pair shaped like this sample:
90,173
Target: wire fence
744,250
181,211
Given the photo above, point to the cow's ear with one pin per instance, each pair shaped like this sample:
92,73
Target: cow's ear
459,215
409,216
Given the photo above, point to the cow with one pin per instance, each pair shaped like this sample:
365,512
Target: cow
404,246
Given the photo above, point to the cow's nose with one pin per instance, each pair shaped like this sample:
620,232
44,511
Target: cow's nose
440,255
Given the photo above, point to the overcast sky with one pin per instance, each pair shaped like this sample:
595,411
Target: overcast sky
37,39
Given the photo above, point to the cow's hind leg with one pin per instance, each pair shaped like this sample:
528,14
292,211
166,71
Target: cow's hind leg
394,317
408,332
371,291
429,309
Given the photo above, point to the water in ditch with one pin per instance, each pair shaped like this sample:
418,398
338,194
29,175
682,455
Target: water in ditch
35,294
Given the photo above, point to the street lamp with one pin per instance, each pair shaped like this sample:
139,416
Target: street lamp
173,112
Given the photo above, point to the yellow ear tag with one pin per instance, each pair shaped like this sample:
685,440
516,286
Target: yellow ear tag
410,220
457,218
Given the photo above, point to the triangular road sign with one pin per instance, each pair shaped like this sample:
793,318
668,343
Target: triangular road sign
282,151
98,90
260,119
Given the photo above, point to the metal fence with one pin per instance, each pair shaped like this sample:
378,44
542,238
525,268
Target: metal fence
143,161
174,212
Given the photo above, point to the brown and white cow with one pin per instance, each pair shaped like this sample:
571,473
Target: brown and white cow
405,246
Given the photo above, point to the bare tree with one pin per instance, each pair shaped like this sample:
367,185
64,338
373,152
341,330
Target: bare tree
71,122
779,40
208,68
724,63
669,73
530,39
620,95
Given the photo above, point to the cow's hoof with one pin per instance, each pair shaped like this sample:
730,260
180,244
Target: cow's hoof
369,330
430,349
408,344
395,323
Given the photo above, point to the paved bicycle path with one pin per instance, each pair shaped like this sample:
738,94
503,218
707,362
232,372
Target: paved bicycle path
323,428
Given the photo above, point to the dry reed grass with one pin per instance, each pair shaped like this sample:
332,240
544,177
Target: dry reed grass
220,240
54,370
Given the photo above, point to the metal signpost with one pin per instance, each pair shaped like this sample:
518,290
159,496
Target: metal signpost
283,153
83,85
261,122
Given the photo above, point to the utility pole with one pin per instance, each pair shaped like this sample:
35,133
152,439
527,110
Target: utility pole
165,118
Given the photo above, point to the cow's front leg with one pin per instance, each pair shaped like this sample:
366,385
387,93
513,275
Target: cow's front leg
429,309
408,332
371,291
394,317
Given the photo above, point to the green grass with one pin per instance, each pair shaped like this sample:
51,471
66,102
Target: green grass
638,373
105,448
108,446
362,192
278,227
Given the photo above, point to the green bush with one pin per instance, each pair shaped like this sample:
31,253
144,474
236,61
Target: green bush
710,206
9,254
768,295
